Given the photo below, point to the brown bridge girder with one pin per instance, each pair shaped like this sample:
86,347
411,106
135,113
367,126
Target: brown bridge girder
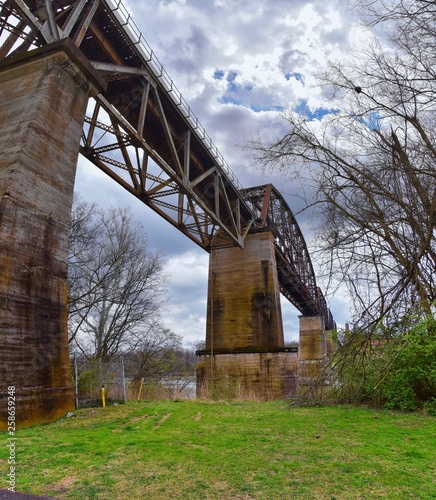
153,144
295,271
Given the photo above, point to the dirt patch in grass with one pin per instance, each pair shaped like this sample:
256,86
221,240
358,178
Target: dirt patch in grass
163,419
63,485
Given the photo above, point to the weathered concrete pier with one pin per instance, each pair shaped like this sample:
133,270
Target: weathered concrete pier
245,352
43,98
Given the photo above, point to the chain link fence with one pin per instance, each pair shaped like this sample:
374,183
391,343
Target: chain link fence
92,379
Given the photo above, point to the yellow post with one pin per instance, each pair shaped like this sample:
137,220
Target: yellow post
103,397
140,389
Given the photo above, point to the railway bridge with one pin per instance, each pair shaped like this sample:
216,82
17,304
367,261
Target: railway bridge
77,76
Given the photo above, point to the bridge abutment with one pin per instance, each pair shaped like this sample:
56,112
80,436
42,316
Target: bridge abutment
245,354
314,345
243,296
43,99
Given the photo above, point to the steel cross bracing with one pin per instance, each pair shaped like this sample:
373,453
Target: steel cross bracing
295,271
141,132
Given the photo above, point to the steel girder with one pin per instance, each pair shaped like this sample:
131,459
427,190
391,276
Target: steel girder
140,131
295,271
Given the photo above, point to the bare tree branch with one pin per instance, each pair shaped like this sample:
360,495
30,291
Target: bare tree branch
371,164
116,285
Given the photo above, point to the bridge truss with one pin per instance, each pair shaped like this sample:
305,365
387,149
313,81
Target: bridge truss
295,271
142,133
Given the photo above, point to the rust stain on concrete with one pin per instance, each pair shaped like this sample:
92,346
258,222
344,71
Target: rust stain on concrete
41,128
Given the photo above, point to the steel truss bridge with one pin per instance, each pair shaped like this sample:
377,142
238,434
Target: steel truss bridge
142,133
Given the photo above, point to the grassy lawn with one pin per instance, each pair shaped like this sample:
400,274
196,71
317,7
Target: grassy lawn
200,450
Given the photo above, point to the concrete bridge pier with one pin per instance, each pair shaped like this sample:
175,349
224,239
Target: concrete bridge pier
245,354
313,348
43,99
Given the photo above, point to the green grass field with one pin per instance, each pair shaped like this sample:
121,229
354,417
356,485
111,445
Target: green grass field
247,450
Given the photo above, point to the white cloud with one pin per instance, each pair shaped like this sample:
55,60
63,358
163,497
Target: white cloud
188,271
185,313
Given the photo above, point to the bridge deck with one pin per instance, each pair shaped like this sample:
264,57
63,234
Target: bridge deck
143,134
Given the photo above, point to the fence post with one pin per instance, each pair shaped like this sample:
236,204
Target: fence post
123,380
76,383
100,373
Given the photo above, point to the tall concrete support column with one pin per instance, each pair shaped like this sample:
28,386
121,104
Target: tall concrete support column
245,354
43,99
244,297
312,349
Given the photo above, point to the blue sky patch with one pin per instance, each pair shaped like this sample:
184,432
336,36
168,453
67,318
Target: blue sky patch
317,114
298,76
271,107
244,95
228,99
232,86
219,74
371,120
257,108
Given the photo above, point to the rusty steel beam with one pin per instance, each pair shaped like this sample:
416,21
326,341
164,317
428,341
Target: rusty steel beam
296,275
73,16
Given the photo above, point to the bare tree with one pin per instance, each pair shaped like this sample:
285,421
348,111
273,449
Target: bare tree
116,284
155,356
371,164
82,233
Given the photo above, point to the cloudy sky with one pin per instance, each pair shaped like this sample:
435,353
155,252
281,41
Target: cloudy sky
239,64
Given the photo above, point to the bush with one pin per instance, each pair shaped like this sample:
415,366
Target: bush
411,381
88,384
395,369
430,407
